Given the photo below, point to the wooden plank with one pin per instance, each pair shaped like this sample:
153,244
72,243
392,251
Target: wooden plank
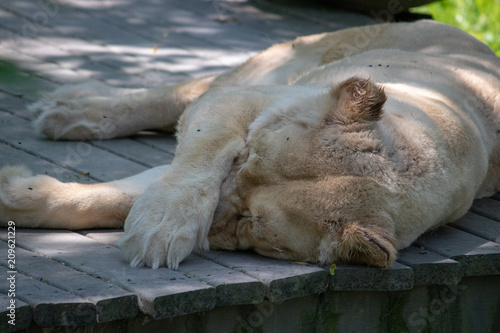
159,141
331,19
272,27
283,279
105,236
51,61
51,306
477,256
162,292
27,84
212,56
14,105
364,278
232,287
185,31
111,302
135,151
430,268
76,156
72,62
11,155
486,207
15,316
69,20
49,74
280,21
117,47
479,226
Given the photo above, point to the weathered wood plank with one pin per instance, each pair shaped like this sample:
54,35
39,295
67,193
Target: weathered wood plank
330,19
77,156
283,279
20,319
119,45
68,19
363,278
111,301
28,84
479,226
69,62
51,306
54,59
16,48
135,151
232,287
105,236
162,292
477,256
14,105
186,31
159,141
283,22
430,268
13,156
398,277
487,207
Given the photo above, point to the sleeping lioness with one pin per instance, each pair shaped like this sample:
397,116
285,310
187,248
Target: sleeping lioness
328,148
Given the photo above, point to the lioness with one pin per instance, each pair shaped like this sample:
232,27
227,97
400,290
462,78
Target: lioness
302,153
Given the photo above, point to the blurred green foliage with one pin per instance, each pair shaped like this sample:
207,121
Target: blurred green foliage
8,72
19,81
480,18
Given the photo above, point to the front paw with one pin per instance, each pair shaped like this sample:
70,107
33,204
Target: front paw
164,227
164,244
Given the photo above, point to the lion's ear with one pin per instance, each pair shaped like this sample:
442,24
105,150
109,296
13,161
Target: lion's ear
366,245
356,100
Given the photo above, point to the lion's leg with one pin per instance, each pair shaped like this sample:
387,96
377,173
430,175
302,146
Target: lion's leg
95,111
174,215
44,202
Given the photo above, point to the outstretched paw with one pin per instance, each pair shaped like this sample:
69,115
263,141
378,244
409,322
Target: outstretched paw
166,244
163,228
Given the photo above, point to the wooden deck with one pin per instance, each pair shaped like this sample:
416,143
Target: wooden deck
78,282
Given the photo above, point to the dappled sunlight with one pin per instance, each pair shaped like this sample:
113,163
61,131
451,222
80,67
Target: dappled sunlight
97,4
175,43
170,40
